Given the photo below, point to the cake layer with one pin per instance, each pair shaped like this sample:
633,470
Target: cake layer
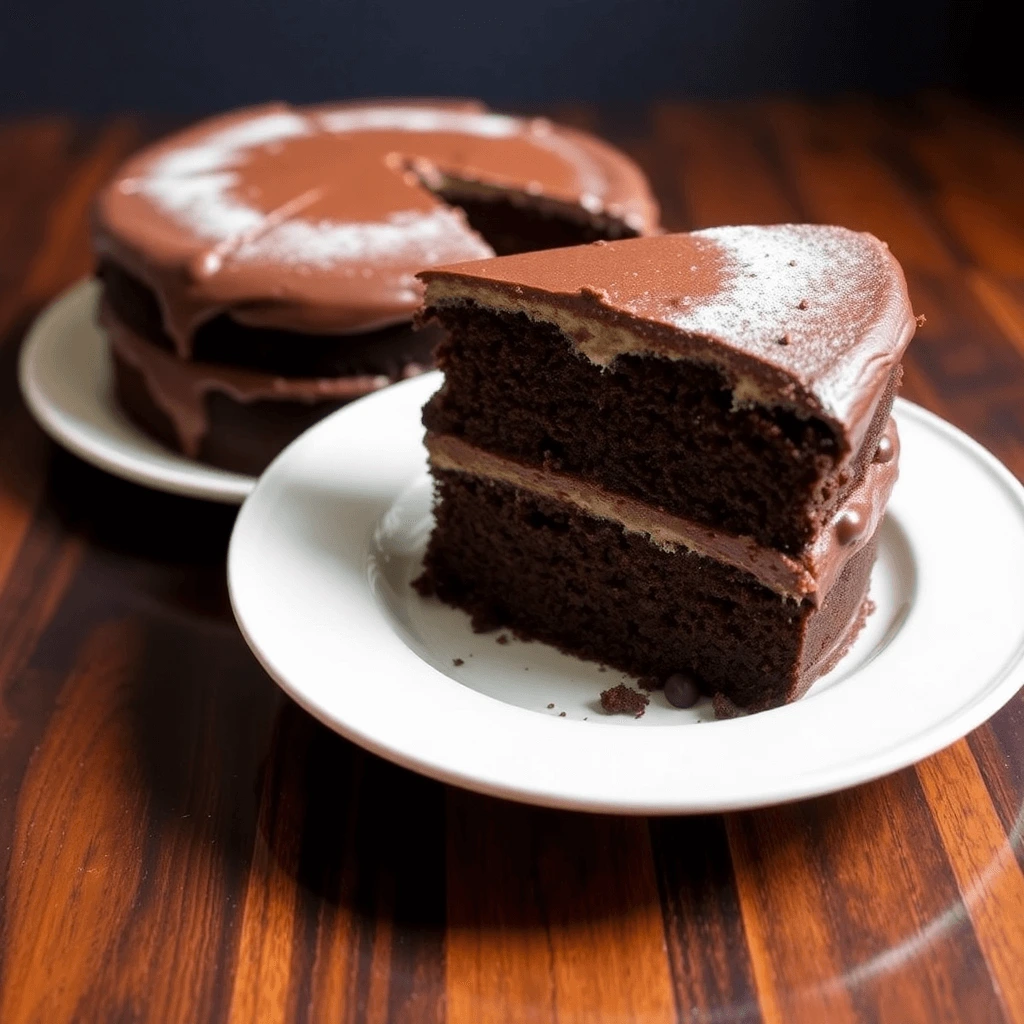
805,317
514,558
667,432
243,437
177,399
315,220
387,352
811,575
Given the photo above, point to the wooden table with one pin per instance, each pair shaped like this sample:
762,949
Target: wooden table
179,842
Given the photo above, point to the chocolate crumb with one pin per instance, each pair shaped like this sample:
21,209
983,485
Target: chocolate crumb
561,714
802,304
602,668
457,662
792,263
649,683
623,700
784,340
725,708
550,706
503,639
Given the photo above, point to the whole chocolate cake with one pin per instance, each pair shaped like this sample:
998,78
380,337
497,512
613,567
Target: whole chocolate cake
670,454
258,268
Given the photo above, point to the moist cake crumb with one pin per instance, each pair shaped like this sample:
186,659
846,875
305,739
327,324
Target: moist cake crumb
457,662
725,708
624,700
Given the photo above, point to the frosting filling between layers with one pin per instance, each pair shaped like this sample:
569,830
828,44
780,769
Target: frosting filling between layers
180,388
810,576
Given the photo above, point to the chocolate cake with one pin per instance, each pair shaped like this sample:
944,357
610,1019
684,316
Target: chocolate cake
670,454
258,268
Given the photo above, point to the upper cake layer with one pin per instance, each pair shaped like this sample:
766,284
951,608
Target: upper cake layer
317,219
806,317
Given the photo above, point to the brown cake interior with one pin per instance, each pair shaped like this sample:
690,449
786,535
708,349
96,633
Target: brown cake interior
513,558
661,431
512,227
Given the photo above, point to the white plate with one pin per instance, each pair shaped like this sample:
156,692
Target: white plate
66,377
319,569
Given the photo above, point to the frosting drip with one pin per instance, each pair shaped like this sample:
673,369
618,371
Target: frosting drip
316,219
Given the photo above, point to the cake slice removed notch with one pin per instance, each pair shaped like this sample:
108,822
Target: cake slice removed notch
673,453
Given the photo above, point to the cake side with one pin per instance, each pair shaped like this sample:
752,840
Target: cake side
514,558
233,417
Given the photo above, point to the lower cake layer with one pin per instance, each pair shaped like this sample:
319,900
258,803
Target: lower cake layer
234,418
550,572
243,437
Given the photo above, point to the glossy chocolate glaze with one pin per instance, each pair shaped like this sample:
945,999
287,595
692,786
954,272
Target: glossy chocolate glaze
316,219
805,316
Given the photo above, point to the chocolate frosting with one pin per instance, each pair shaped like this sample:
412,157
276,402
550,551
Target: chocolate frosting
316,219
810,576
801,315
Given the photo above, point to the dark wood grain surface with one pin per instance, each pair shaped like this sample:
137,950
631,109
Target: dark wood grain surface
179,842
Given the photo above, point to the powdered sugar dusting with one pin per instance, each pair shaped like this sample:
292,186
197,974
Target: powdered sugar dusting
783,281
195,184
417,237
418,119
825,304
199,187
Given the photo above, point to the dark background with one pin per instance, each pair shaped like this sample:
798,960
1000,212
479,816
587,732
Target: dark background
192,56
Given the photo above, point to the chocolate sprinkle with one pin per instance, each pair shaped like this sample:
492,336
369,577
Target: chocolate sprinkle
681,690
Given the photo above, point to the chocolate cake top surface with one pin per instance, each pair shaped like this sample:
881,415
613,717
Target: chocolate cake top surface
316,219
801,314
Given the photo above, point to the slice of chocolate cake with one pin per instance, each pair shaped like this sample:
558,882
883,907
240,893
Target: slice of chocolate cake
670,454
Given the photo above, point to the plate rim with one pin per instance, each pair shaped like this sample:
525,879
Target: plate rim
179,475
1001,685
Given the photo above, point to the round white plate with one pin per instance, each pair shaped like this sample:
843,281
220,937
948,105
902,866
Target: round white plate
319,570
66,377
